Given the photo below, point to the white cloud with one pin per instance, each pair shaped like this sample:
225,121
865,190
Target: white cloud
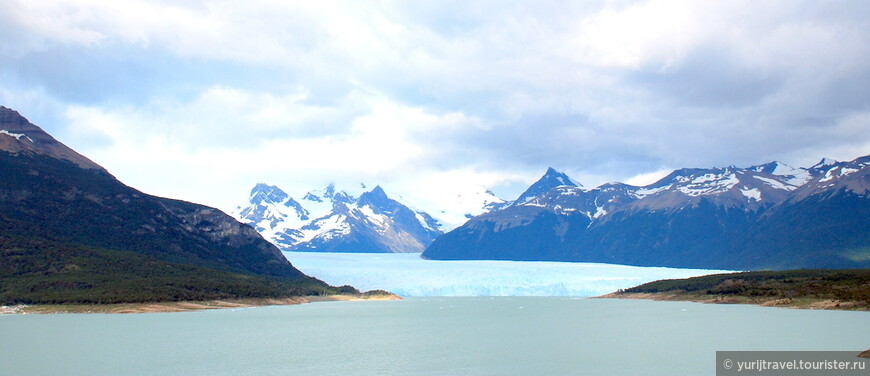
647,178
632,34
385,140
451,194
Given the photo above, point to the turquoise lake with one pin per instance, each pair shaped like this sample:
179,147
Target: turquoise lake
421,336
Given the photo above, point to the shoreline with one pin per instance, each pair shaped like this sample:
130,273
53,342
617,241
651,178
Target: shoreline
181,306
794,303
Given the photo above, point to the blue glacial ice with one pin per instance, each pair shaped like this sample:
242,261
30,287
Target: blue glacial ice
408,275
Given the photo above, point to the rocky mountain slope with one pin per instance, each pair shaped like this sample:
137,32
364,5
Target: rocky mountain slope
766,216
53,199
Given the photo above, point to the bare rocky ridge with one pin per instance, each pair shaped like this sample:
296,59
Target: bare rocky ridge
18,135
43,195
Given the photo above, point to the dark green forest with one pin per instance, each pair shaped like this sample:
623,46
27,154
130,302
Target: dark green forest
852,285
45,272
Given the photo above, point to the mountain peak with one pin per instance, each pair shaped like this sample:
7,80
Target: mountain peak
560,178
329,192
263,192
550,180
17,134
776,168
378,191
378,198
825,162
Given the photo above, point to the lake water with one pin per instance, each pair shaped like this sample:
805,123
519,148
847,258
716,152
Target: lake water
421,336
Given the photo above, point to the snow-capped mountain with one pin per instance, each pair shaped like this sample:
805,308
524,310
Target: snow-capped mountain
550,180
794,176
823,224
836,177
745,188
592,203
330,220
690,218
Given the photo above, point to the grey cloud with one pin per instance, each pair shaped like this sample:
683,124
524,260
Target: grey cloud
503,64
537,141
709,78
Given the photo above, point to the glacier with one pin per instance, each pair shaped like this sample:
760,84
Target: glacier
408,275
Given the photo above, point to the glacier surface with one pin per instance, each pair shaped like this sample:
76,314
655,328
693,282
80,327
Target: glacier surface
406,274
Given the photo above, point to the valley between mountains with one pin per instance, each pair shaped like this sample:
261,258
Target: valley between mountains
70,232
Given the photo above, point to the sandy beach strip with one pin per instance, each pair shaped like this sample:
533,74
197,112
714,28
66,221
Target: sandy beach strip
182,306
799,303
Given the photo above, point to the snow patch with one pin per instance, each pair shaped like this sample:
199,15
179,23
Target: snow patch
801,178
17,136
423,221
327,228
829,175
563,210
846,171
752,194
706,178
369,213
533,202
775,184
644,192
710,184
825,162
599,211
783,169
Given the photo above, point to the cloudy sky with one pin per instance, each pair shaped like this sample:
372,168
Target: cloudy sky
200,100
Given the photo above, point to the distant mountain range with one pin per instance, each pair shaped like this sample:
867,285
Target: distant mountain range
68,228
770,216
71,232
330,220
